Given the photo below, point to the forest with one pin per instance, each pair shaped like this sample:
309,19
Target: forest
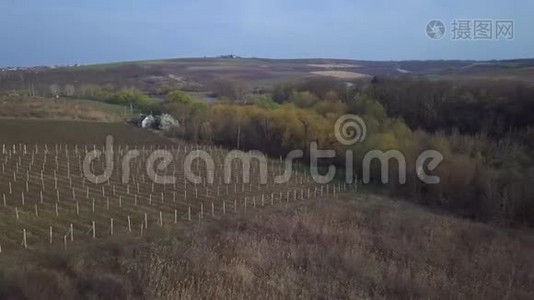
484,130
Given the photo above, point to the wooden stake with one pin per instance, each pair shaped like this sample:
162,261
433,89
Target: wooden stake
24,241
146,221
71,233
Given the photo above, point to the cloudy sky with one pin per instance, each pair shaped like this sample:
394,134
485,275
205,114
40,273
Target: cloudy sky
37,32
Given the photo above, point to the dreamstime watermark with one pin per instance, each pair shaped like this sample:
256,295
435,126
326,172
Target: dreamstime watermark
472,30
349,130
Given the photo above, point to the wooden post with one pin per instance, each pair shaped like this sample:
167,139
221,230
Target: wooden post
129,224
94,230
160,218
65,241
24,241
77,208
111,226
36,211
17,212
71,233
212,209
175,216
146,221
189,213
51,233
224,207
57,210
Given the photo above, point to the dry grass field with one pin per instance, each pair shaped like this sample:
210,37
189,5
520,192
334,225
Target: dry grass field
356,247
61,109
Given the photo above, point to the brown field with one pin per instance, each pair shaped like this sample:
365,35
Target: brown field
341,74
334,66
62,109
17,131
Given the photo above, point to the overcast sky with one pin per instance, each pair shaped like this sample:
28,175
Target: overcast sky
38,32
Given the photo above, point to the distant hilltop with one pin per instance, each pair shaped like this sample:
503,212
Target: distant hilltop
4,69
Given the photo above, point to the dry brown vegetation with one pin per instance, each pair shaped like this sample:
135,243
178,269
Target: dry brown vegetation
341,74
366,247
62,109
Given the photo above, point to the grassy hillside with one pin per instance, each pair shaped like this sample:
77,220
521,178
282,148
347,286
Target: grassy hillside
198,74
